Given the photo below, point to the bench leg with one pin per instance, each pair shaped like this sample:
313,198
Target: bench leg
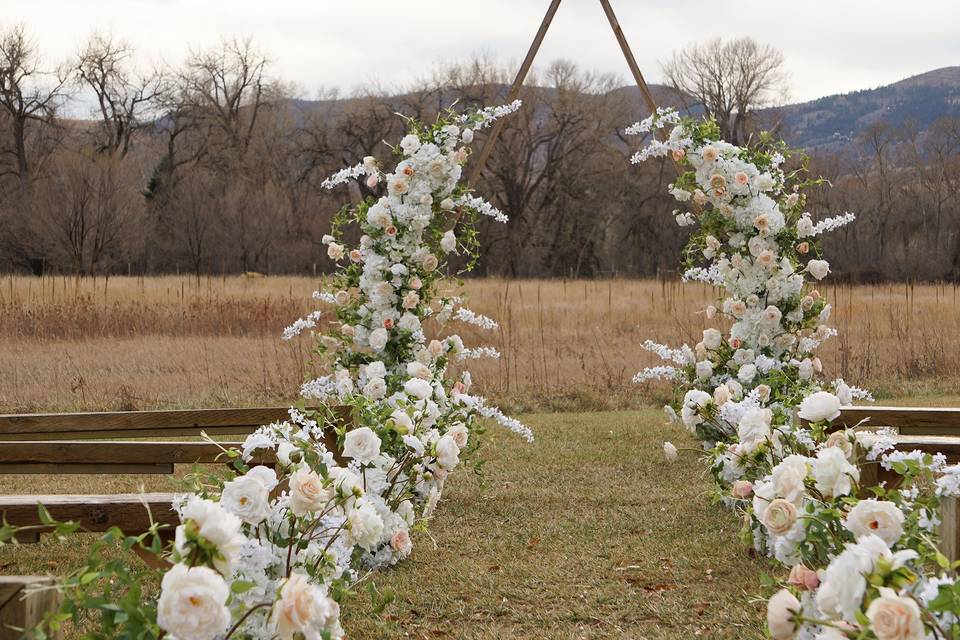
22,608
950,528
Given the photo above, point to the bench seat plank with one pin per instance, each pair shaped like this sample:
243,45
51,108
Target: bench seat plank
926,421
132,424
113,452
95,513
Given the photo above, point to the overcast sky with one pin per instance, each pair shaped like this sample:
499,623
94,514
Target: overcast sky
830,46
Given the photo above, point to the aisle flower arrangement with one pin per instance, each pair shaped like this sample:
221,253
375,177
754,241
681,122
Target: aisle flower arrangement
270,552
863,561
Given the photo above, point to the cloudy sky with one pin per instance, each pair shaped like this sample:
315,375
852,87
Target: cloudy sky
830,46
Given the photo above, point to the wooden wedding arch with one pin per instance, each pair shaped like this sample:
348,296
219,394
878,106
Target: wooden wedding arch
112,442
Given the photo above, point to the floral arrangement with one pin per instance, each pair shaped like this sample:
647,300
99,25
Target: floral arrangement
863,561
270,552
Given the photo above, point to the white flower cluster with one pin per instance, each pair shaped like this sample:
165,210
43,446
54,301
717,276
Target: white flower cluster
466,315
268,552
486,116
754,395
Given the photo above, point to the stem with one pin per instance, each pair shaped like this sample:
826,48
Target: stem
244,617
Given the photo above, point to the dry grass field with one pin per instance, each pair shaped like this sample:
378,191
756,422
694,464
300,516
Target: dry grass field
128,343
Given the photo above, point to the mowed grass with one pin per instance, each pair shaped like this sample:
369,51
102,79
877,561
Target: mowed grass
588,533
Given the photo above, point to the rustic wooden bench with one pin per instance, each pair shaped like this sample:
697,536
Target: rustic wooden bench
84,443
928,429
103,443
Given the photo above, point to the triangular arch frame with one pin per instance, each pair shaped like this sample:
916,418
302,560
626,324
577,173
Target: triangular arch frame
527,63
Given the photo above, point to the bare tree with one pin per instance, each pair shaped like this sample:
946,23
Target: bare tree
227,89
729,80
125,98
28,97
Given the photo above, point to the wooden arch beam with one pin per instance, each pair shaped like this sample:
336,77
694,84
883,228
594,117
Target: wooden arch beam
514,92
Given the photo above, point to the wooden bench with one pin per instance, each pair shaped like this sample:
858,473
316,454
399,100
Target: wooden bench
90,443
928,429
85,443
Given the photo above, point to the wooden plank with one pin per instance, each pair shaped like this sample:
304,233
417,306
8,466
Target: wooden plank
42,426
950,528
49,468
928,421
24,602
947,445
113,452
95,513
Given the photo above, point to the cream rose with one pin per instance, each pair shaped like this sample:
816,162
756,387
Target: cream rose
894,617
302,609
307,492
779,516
782,610
192,603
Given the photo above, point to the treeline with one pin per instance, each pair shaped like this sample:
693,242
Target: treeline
216,166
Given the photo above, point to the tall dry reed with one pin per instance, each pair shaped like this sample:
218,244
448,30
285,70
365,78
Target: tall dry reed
138,342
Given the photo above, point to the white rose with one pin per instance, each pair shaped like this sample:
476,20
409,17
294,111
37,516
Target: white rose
418,388
670,452
402,420
754,428
788,478
448,453
782,609
692,401
247,498
747,373
894,617
284,449
467,136
215,524
414,444
818,268
364,525
844,394
378,339
375,389
819,406
192,603
712,338
346,481
879,517
419,370
410,144
361,444
704,369
307,492
302,609
460,434
833,474
448,242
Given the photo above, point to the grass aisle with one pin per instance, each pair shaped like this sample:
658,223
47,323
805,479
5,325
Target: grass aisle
586,534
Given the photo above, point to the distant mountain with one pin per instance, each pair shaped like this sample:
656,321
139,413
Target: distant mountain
830,123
